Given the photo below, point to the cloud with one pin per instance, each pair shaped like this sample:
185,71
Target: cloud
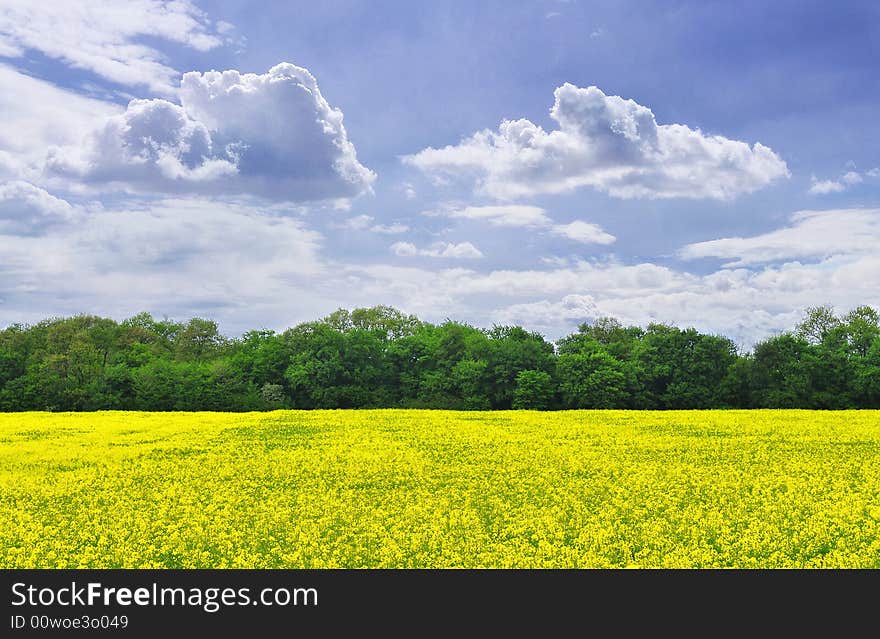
823,187
506,215
404,249
583,232
821,257
108,40
36,116
364,222
851,177
811,234
518,215
271,135
26,209
395,228
242,264
357,223
462,250
848,179
742,304
610,144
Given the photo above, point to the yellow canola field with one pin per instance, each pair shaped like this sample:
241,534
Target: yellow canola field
419,489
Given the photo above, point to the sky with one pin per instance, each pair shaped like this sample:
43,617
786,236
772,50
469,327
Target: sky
541,163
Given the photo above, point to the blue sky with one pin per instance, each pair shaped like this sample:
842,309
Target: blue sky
710,164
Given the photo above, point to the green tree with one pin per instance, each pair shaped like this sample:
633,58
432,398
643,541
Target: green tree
781,372
534,390
817,322
594,380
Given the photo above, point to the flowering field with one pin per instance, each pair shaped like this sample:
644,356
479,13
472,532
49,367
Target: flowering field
402,488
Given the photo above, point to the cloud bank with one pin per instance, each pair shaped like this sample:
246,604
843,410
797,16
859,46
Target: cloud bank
812,235
244,265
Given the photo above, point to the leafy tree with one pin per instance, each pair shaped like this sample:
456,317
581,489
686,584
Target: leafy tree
534,390
862,328
512,350
818,321
781,373
867,378
681,368
199,339
594,380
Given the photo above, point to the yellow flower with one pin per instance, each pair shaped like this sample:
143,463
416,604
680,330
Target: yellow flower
421,489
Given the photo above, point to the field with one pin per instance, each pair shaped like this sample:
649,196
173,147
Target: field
402,488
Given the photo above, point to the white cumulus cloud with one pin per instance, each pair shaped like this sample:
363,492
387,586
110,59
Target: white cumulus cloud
608,143
583,232
824,187
26,209
845,181
270,135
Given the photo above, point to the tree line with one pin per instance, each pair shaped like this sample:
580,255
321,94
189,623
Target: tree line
381,358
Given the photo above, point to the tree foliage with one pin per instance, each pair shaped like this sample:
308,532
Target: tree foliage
381,357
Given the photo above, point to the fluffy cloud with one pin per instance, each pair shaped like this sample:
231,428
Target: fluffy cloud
461,250
26,209
108,39
583,232
518,215
848,179
271,135
812,234
851,177
610,144
824,187
36,116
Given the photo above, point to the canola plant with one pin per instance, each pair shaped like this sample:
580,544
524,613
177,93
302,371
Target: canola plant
425,489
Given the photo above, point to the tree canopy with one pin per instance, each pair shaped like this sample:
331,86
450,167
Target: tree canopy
380,357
